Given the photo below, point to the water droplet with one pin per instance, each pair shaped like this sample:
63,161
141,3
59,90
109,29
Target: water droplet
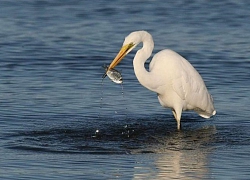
123,97
101,100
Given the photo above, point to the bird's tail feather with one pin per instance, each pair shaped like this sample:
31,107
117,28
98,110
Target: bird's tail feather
205,114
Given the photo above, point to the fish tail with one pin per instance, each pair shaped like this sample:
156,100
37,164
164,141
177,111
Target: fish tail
104,75
105,67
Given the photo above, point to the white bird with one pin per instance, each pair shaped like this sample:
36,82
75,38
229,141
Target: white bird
178,85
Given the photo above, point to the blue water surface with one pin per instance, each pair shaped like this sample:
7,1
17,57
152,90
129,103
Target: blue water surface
60,121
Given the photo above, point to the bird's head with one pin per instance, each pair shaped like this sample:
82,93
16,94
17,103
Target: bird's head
130,42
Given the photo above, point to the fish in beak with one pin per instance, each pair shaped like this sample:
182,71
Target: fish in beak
113,74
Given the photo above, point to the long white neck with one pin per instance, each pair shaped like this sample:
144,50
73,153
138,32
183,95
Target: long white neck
143,76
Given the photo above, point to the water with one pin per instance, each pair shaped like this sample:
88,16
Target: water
51,87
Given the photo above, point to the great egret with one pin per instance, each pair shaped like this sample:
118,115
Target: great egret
178,85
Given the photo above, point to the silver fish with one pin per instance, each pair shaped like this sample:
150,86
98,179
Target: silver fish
113,74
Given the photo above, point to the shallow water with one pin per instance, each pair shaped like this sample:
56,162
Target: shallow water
59,121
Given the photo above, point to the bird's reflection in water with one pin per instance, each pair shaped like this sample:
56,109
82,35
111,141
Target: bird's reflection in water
183,155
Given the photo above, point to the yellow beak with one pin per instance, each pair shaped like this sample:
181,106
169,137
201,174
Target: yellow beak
122,53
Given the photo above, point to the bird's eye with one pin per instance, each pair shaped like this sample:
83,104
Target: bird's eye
131,44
